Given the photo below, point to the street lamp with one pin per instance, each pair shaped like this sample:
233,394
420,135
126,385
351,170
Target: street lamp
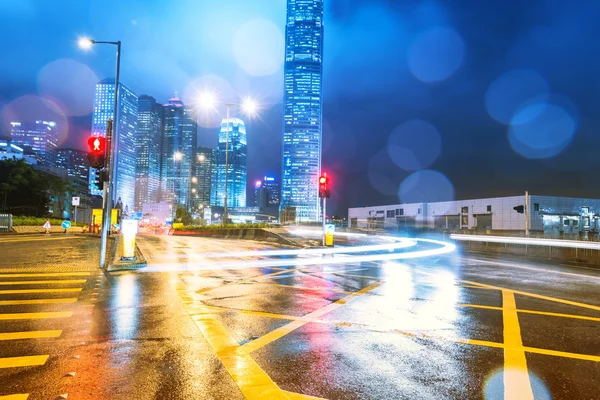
248,107
109,188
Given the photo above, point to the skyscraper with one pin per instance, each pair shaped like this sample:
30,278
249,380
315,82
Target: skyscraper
267,192
237,165
302,107
74,161
40,136
148,145
177,157
201,178
125,137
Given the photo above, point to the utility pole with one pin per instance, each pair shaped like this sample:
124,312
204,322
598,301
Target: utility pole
526,214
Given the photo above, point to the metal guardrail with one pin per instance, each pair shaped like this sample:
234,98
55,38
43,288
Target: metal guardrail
5,222
573,244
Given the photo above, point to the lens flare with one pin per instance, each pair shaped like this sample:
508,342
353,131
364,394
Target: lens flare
426,186
414,145
258,47
436,54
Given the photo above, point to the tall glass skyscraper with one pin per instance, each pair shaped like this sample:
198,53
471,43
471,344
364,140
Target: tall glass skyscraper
302,108
203,175
40,136
177,158
148,145
74,161
125,137
237,161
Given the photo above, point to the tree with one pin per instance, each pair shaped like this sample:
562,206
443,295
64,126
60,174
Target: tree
182,215
24,192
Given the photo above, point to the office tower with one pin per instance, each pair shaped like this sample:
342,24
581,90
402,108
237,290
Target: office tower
74,161
125,138
201,178
266,192
236,165
177,155
40,136
302,108
148,145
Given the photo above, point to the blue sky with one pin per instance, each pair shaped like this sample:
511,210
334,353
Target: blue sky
505,91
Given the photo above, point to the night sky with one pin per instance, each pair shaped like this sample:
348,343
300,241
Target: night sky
423,100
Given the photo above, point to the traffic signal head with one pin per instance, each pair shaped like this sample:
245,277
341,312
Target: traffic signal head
519,209
324,186
97,152
101,177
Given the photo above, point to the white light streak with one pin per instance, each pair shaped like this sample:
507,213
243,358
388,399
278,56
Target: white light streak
528,241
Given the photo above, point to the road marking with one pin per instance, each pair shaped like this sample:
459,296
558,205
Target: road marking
19,291
29,335
532,268
550,314
516,376
47,274
344,275
537,296
292,326
316,289
15,397
27,361
39,315
37,301
21,240
46,282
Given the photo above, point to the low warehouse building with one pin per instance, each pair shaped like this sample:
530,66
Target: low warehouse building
548,215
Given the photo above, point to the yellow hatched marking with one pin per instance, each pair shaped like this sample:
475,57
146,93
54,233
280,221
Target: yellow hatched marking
30,335
316,289
45,274
550,314
46,282
37,301
40,315
516,376
19,291
15,397
27,361
286,329
538,296
344,274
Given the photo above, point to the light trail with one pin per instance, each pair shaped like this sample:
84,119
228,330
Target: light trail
444,248
528,241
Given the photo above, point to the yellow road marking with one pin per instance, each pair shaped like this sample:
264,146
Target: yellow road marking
19,291
46,274
37,301
550,314
562,354
537,296
20,240
316,289
29,335
27,361
343,274
39,315
516,376
46,282
286,329
15,397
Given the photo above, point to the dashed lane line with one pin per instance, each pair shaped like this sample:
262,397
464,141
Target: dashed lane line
27,291
38,315
30,335
516,376
45,275
38,301
43,282
27,361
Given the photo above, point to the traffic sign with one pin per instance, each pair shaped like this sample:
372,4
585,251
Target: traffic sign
75,201
137,215
66,224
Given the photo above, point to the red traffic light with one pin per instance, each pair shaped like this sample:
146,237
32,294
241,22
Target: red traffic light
97,144
323,180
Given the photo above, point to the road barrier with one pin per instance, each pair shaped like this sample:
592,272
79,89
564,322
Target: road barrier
5,222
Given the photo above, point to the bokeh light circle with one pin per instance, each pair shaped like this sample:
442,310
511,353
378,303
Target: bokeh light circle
258,47
381,173
541,130
513,90
30,108
436,54
70,82
426,186
414,145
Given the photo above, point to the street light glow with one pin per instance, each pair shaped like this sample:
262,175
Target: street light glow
249,106
177,156
207,100
85,43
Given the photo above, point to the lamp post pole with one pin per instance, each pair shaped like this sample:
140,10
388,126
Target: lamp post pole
226,163
109,189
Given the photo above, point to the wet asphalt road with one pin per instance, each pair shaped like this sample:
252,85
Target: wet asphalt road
443,327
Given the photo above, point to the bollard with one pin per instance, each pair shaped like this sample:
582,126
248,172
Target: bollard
128,230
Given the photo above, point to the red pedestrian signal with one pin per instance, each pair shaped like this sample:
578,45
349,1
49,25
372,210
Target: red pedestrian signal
324,186
97,152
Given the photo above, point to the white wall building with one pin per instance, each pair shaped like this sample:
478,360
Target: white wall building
547,214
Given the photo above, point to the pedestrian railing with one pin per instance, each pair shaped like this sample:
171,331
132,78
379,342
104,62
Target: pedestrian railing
5,222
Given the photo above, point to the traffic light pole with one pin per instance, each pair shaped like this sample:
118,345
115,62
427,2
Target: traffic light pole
109,187
324,217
